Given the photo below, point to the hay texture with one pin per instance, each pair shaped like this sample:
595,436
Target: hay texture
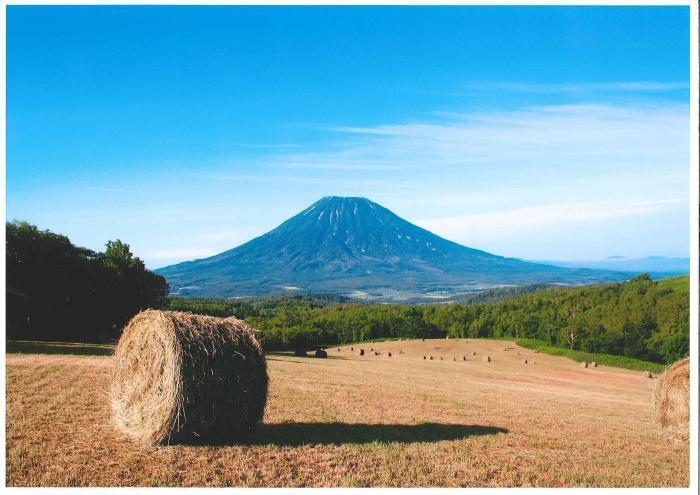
671,400
180,377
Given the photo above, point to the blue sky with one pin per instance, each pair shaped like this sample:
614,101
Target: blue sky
534,132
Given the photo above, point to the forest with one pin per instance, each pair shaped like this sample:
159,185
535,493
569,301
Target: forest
59,291
640,318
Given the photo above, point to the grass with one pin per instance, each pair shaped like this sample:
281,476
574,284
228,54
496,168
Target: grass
362,421
581,356
680,283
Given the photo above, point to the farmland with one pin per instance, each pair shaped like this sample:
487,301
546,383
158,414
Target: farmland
348,420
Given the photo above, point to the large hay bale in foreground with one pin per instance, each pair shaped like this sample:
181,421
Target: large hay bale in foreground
180,377
672,411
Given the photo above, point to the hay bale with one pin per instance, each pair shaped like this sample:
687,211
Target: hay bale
524,361
583,364
473,353
321,354
352,348
486,359
338,349
647,374
389,354
180,377
362,352
371,349
425,357
300,353
594,364
431,358
454,358
464,358
505,348
672,411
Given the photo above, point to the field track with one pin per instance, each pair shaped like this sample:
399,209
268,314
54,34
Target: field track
362,421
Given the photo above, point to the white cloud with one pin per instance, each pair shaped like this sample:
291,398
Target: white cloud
564,137
485,227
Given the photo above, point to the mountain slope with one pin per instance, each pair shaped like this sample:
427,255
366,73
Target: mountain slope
346,244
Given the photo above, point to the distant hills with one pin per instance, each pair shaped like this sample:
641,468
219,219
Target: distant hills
354,246
656,266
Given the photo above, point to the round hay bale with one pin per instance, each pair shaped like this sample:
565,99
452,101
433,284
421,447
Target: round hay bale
352,348
338,349
431,358
594,364
362,352
425,357
505,348
672,411
321,354
486,359
647,374
583,364
524,361
371,349
464,358
300,353
389,354
454,358
376,353
473,353
180,377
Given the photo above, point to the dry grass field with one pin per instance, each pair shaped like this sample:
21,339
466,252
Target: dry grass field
362,421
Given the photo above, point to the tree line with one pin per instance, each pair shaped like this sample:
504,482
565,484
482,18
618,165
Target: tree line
640,318
59,291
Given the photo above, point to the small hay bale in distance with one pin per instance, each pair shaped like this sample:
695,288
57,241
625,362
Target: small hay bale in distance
431,358
389,354
180,377
464,358
320,353
425,357
583,364
486,359
473,353
362,352
524,361
594,364
671,401
352,348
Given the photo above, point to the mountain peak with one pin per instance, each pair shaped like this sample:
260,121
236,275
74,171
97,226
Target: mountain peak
350,243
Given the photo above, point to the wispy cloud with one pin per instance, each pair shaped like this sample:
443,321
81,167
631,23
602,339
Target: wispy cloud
558,137
480,227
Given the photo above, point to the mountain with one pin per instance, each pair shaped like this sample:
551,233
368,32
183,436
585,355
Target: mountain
343,245
656,266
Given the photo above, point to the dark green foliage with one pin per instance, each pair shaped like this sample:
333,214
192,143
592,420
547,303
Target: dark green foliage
640,319
58,291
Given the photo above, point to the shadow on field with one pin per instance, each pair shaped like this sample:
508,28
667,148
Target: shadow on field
35,347
293,434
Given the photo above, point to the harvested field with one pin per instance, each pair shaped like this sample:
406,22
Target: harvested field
352,421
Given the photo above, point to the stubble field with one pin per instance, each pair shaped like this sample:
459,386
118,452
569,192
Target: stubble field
362,421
